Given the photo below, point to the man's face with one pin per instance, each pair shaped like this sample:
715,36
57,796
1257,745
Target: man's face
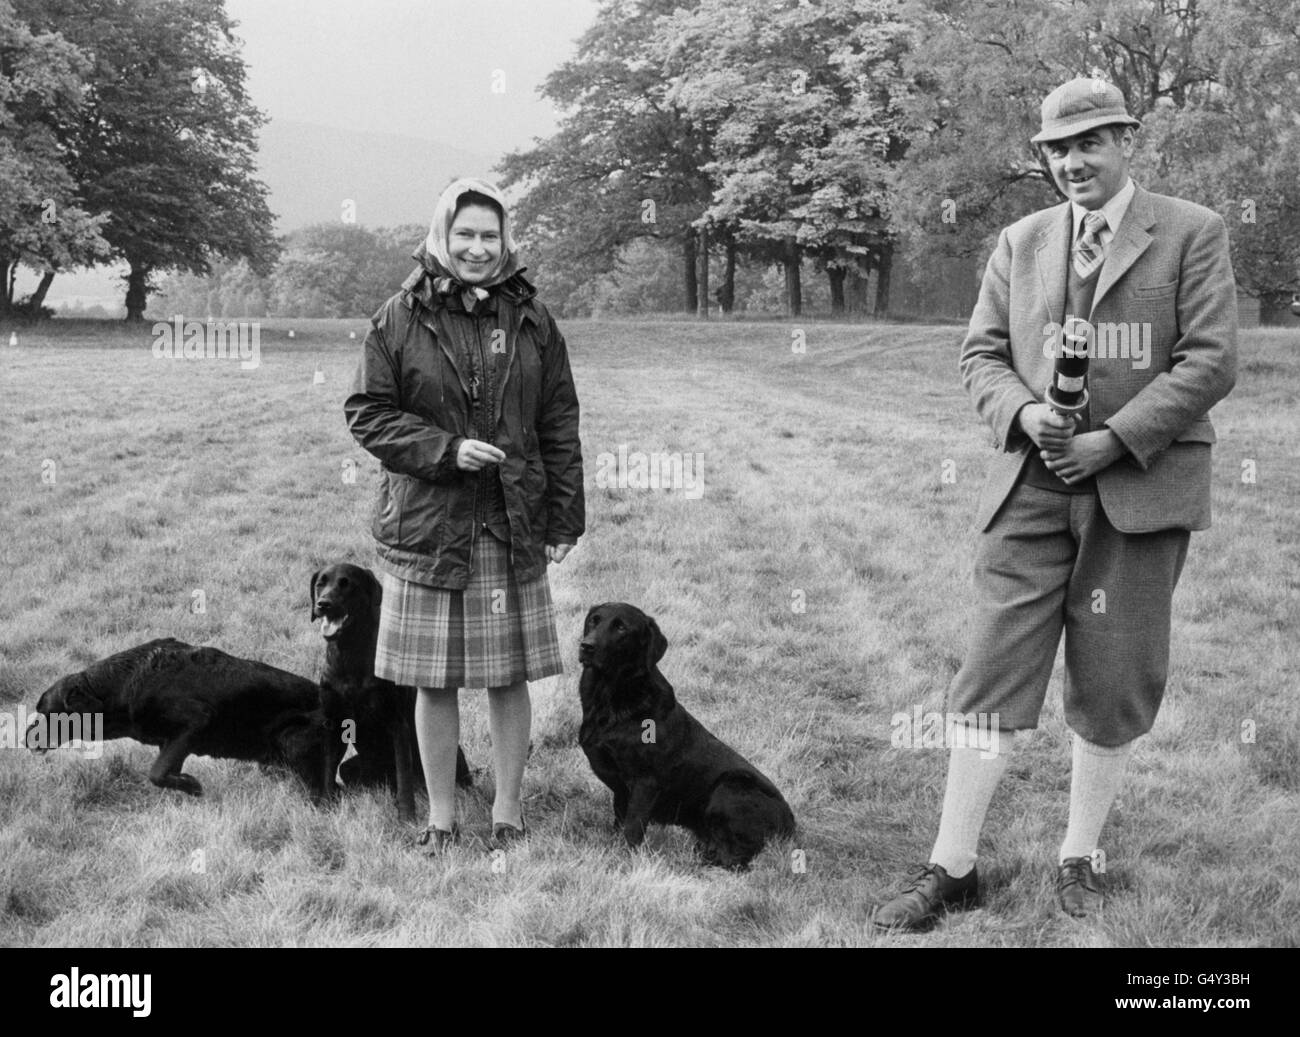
1091,168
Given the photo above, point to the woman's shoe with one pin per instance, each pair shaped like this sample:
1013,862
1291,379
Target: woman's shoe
503,834
437,841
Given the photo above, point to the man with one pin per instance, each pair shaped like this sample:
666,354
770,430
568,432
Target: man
1085,518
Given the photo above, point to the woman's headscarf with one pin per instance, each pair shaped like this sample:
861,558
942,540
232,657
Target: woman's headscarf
439,235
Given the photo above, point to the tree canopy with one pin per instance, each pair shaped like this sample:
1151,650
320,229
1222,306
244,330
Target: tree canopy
43,223
838,129
1214,85
163,138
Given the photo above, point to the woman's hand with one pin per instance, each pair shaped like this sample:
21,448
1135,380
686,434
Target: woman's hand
474,455
556,552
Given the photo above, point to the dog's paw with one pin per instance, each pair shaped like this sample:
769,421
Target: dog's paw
634,837
713,856
184,783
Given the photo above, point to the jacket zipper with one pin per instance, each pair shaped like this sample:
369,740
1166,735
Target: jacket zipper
475,385
471,389
451,358
514,323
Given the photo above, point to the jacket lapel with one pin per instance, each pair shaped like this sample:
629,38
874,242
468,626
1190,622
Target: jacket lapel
1053,244
418,295
510,313
513,304
1130,241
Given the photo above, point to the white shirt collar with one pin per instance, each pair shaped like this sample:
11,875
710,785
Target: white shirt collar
1113,210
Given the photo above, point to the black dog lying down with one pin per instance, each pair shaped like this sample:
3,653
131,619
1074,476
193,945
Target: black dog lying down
198,700
346,598
672,771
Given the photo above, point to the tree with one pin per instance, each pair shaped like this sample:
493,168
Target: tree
344,270
625,163
42,223
1214,86
646,279
166,137
799,102
325,270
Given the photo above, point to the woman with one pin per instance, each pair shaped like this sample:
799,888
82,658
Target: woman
464,395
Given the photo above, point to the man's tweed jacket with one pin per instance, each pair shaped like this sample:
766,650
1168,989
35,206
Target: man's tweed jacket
1168,268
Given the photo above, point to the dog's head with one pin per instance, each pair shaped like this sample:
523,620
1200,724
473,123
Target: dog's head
618,638
341,594
70,694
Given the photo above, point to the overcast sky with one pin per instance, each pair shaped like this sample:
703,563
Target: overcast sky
423,68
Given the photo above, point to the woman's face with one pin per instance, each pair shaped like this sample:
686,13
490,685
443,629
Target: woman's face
474,243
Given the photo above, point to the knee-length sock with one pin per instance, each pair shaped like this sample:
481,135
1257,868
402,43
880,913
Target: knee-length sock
973,775
1096,773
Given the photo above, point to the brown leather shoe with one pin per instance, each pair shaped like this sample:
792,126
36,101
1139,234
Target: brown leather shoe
1078,887
926,897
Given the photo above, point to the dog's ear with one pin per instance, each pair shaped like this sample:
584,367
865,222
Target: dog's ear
655,644
311,594
78,698
375,589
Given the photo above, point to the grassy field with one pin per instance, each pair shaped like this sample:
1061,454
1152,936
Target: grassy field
816,587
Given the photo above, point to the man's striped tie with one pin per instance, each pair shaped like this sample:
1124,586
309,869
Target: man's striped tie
1088,255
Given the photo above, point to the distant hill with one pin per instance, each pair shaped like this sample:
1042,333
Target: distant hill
309,171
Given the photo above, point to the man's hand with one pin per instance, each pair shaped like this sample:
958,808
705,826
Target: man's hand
556,552
474,455
1084,455
1049,430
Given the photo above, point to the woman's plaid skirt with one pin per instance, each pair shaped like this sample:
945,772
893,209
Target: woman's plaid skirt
495,632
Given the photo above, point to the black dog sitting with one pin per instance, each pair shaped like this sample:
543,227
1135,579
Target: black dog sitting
194,700
375,715
661,763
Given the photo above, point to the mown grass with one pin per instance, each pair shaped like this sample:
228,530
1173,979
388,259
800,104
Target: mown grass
823,486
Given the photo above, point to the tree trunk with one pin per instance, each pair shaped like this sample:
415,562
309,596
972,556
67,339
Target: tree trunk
137,297
793,286
884,264
727,293
7,271
703,292
692,284
38,296
856,286
837,274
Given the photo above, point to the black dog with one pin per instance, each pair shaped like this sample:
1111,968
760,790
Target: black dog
375,715
661,763
195,700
